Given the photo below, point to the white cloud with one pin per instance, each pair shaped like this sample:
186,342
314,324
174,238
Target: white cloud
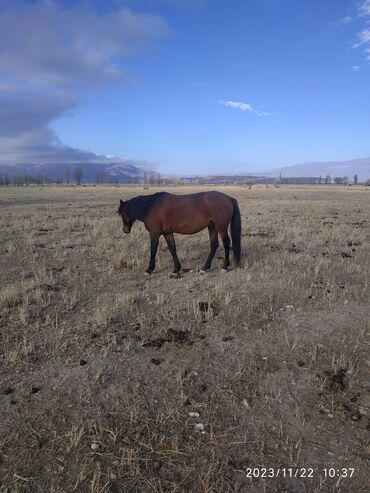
364,35
244,107
237,104
364,8
356,68
342,21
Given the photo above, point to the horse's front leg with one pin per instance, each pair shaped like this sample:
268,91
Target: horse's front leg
172,248
154,240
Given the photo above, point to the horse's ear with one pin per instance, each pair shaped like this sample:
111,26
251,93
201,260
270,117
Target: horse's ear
121,202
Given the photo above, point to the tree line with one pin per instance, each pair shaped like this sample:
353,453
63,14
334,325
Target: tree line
77,176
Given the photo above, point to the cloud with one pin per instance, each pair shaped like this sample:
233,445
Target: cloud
364,8
27,110
244,107
71,45
363,37
342,21
42,146
50,55
176,4
356,68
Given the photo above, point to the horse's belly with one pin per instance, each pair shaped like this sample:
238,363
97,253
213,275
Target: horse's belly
189,231
188,226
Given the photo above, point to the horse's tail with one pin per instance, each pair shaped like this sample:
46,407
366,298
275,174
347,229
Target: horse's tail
236,232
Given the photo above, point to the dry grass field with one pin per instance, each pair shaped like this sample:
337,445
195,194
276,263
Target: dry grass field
112,381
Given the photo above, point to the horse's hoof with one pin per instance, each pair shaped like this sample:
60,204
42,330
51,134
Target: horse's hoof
175,275
202,271
224,271
147,273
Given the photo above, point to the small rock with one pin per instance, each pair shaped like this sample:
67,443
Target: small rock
82,362
199,427
227,338
95,446
113,475
245,404
8,390
194,415
356,417
329,415
155,361
34,389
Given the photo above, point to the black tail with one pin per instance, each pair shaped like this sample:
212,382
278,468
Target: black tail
236,232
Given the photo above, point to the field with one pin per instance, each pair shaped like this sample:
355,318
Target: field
113,381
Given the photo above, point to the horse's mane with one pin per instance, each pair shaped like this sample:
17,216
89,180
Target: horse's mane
138,207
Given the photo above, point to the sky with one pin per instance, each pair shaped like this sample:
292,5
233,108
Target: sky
185,86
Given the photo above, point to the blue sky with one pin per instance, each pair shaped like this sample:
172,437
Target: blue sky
189,86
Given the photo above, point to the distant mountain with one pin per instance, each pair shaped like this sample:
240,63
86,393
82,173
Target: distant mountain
359,167
109,171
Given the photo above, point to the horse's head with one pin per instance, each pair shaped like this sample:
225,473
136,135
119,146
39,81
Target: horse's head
127,221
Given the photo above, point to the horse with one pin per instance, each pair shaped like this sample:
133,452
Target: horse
165,214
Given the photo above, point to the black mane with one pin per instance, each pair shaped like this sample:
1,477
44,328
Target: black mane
138,207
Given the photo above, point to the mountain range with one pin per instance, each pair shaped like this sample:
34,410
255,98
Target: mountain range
107,171
359,167
130,171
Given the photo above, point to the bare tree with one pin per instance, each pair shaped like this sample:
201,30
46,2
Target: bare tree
250,183
327,179
78,175
99,177
18,179
355,179
67,175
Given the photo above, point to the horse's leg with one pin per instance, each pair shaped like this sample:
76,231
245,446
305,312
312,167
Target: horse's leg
226,241
154,240
213,239
172,248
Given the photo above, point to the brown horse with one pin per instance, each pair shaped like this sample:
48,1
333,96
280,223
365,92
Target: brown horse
165,214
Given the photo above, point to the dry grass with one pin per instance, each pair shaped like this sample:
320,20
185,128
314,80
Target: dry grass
100,366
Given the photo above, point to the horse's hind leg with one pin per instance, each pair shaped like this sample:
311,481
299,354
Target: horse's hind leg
213,239
226,241
172,248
